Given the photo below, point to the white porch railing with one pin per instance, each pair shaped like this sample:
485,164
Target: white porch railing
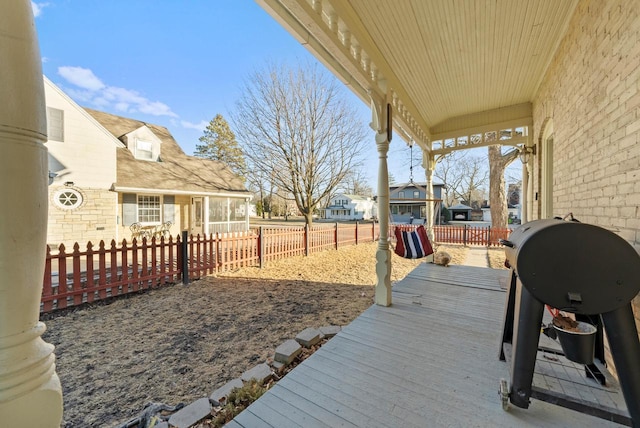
227,226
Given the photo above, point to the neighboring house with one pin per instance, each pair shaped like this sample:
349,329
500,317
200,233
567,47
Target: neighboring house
409,200
108,172
82,169
350,207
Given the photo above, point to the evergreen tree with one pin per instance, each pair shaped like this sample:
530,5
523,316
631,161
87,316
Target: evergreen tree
219,143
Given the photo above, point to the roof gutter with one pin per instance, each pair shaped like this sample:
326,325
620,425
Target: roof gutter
114,188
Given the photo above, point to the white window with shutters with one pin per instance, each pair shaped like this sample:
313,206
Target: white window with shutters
147,209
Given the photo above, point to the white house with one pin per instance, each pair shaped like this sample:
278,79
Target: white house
82,169
515,213
108,172
350,207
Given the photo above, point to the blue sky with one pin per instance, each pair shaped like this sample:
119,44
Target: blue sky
172,63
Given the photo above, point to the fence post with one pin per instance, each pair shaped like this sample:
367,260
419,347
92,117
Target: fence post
261,248
356,232
488,236
77,274
336,235
185,261
464,236
306,240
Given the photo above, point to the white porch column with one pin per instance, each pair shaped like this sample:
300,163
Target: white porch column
205,216
30,392
524,211
380,123
429,164
429,167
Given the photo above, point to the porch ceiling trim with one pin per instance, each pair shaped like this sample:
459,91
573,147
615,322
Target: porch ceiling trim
475,123
437,62
331,31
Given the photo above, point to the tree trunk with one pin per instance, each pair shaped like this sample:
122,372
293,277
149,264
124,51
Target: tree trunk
262,200
497,187
308,218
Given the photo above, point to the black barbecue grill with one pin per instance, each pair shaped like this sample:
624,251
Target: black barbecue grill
578,268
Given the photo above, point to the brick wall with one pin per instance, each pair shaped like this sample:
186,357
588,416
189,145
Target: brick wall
93,220
591,95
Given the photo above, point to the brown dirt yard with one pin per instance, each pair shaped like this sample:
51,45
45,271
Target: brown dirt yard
178,343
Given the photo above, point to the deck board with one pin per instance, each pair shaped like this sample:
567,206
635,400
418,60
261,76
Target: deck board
430,359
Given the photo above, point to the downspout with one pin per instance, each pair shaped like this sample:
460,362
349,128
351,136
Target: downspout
30,392
117,217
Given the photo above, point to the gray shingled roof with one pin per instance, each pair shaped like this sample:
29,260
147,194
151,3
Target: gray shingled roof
175,171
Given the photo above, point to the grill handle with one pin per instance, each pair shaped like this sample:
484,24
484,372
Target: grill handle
506,243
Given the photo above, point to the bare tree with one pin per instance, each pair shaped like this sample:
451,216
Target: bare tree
355,183
261,184
498,162
297,123
463,175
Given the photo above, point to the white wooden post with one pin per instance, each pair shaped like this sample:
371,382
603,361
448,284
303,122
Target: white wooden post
524,202
380,124
429,167
30,392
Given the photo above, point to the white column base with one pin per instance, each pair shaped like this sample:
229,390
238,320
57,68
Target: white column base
383,272
41,407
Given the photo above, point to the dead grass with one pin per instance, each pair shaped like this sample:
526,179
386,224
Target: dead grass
179,343
496,258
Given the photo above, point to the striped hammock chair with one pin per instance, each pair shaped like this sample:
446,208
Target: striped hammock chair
412,244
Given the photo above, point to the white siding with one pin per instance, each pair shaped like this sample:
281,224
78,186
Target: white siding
88,152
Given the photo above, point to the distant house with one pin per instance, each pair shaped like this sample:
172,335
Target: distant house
514,213
350,207
408,201
460,212
109,172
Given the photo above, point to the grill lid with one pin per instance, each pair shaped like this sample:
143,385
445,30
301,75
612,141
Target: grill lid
575,267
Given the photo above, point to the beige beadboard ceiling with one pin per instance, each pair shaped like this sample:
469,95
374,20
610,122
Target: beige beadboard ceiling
445,63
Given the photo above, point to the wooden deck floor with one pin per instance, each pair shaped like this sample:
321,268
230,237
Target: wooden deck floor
429,360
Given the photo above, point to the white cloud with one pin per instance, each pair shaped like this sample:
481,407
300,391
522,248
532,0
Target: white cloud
197,126
90,89
123,95
83,95
82,77
157,109
122,107
37,8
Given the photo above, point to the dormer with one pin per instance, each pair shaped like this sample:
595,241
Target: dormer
143,144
